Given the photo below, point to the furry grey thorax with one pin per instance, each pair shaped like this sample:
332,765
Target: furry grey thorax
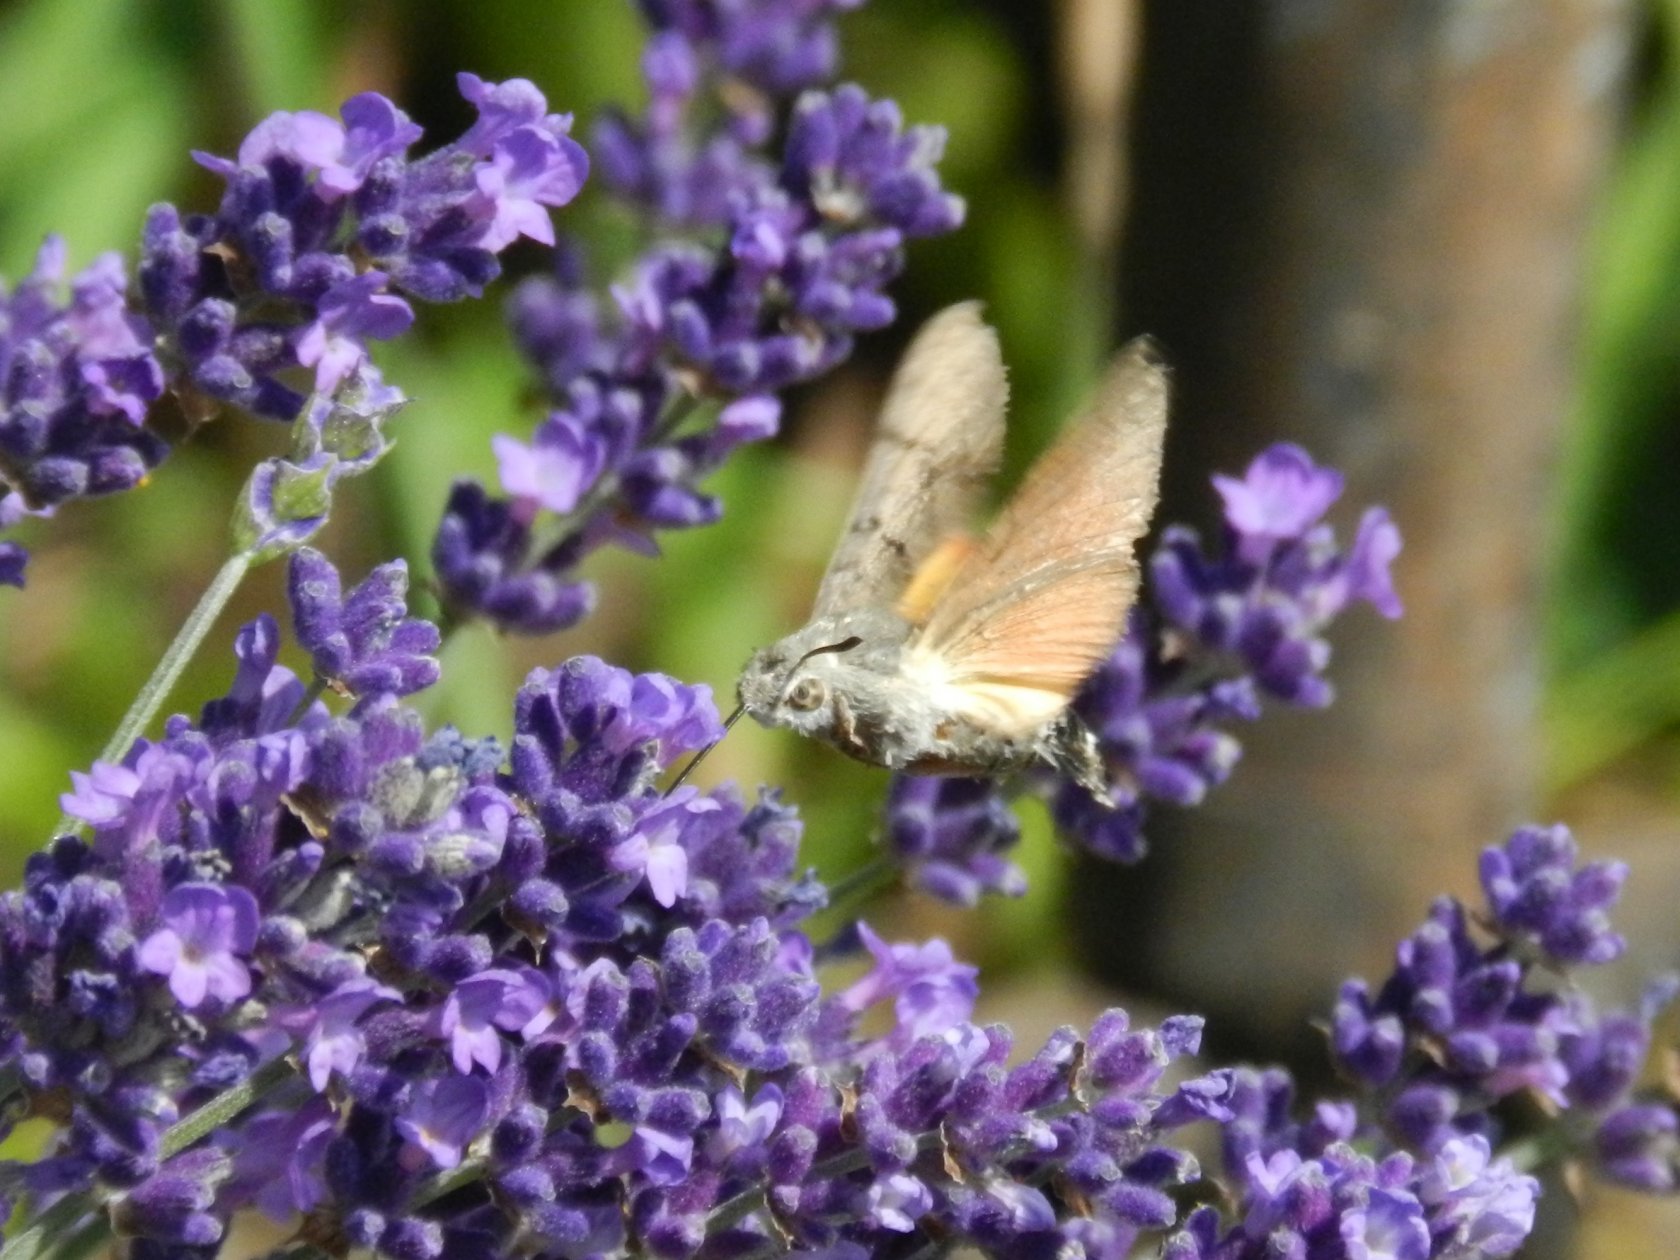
842,679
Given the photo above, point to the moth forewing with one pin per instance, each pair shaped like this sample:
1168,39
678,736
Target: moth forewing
1043,598
938,439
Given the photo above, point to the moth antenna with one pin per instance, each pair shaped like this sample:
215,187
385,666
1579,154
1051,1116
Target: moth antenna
700,756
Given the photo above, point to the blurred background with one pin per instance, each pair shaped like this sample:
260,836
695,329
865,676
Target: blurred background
1436,241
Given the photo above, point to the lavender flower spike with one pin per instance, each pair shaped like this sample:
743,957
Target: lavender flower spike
325,231
1534,890
334,219
1225,629
655,382
952,835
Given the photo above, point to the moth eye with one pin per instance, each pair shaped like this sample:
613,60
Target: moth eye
807,694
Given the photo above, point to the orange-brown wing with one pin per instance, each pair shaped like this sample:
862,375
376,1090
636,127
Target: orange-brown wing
935,573
1044,597
939,438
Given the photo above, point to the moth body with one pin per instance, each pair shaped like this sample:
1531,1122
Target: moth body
935,652
860,683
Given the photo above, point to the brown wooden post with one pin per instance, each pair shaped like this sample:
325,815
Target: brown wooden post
1359,225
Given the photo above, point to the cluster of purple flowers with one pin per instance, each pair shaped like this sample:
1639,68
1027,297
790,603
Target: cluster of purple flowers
1464,1023
76,377
324,227
1410,1166
325,224
493,1001
776,46
1309,1190
1408,1169
516,994
783,219
1219,634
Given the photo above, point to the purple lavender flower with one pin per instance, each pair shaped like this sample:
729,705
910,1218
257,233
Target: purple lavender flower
1534,891
951,835
1339,1203
324,223
1479,1205
770,44
338,154
662,1159
77,375
306,191
207,932
656,849
13,560
1232,628
1461,1023
481,551
334,1041
931,991
1638,1146
554,470
348,312
743,1126
363,643
278,1162
472,1014
896,1202
529,170
1282,580
445,1114
446,867
1281,497
172,1205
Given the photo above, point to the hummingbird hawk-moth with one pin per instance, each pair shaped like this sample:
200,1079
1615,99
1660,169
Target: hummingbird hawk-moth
934,652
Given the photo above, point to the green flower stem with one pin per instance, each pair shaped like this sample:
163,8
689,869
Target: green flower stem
225,1106
168,671
94,1236
463,1174
872,877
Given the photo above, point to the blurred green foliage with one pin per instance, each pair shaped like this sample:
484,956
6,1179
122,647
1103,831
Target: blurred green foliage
1614,611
